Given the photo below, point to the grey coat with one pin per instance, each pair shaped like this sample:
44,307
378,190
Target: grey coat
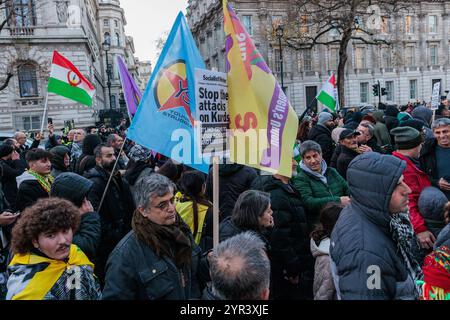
361,243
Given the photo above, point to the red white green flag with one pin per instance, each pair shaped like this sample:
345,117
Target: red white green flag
65,80
328,96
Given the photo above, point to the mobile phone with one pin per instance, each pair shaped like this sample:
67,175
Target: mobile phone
49,120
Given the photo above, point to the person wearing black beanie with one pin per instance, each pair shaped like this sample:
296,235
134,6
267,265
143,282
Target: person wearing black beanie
10,168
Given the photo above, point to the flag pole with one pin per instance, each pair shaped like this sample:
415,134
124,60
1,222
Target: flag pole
215,201
307,109
110,176
45,113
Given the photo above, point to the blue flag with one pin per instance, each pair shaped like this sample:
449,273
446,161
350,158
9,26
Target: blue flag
165,119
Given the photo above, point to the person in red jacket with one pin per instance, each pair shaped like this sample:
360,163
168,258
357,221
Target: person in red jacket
409,144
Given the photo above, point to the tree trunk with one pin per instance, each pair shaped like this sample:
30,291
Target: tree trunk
343,57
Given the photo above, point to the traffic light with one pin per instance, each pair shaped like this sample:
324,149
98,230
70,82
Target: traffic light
376,89
383,91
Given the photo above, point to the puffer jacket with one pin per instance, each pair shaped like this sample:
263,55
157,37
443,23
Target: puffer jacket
289,238
57,160
135,272
234,180
316,194
417,180
323,288
29,191
361,241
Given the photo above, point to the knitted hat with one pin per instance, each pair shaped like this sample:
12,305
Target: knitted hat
5,150
407,138
404,116
324,117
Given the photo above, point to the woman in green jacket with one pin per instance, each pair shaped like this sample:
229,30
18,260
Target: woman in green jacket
317,183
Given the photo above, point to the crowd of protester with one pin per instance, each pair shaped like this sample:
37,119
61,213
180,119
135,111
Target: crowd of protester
365,215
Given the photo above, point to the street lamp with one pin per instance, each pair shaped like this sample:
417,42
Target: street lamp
280,34
106,47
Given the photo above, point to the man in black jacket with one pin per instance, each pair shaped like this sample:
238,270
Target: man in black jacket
349,150
321,133
37,181
158,259
117,207
10,168
435,155
75,188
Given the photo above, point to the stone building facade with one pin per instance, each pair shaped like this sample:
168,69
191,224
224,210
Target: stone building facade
27,42
418,57
145,72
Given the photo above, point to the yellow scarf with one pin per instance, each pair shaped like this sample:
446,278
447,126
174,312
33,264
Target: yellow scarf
44,280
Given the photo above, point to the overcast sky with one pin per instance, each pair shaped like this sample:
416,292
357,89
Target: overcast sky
147,20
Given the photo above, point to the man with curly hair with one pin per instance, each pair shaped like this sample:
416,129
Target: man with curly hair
46,265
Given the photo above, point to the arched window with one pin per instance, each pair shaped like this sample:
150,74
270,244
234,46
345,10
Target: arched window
117,40
107,37
28,81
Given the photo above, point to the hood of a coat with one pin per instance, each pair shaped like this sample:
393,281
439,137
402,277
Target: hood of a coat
423,114
58,157
24,177
72,187
322,249
89,143
372,179
431,204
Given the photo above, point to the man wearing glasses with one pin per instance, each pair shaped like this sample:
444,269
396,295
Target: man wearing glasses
158,259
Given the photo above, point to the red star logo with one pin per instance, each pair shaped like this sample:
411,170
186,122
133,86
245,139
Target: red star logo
180,97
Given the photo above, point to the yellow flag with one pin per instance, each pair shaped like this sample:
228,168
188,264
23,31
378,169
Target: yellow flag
263,122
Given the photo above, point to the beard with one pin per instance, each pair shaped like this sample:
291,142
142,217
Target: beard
108,166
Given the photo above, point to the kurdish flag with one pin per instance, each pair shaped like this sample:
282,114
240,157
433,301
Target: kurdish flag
165,120
65,80
328,95
257,105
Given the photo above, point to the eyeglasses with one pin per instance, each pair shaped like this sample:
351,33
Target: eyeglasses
163,206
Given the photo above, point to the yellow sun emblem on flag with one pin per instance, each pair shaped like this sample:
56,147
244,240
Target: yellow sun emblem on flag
73,78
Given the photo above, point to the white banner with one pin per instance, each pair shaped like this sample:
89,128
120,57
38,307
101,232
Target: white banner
436,98
211,92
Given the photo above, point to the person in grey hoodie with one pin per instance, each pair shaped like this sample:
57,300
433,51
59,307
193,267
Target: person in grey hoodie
426,116
431,206
373,241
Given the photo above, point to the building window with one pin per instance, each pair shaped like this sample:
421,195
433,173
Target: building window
334,58
364,92
23,13
410,56
385,25
277,61
432,24
360,58
117,39
409,24
390,90
107,37
106,23
31,122
433,55
116,23
413,89
113,101
387,58
28,81
304,25
247,20
307,60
